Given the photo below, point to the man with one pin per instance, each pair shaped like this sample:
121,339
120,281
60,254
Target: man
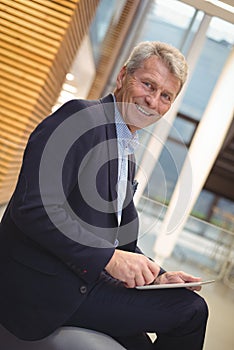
68,238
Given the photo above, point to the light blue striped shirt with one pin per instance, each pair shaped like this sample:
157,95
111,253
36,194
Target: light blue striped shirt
127,143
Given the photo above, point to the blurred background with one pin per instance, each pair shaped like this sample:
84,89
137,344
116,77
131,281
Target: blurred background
54,51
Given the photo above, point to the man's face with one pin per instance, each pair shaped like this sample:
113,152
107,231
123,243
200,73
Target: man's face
146,95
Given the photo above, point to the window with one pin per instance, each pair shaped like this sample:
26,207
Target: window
218,44
174,22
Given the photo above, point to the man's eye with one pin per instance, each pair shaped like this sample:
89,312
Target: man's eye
166,97
148,85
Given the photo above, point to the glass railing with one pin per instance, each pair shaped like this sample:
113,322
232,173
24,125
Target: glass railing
208,246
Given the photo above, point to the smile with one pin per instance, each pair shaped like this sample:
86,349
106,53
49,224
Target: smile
142,110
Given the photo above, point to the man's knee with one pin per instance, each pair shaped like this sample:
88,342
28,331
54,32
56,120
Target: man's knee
194,316
201,309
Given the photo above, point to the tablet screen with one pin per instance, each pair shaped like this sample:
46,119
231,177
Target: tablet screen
174,285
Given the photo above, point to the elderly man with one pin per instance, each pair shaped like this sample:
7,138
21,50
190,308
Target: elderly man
69,252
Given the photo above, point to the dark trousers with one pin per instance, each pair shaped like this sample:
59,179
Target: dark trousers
177,316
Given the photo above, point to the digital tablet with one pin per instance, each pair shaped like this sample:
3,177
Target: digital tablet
174,285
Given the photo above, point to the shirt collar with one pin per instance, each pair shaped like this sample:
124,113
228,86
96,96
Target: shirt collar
127,140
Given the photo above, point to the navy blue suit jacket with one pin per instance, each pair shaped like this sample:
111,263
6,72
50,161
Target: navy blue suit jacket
60,226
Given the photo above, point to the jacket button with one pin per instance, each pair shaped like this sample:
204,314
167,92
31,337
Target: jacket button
83,289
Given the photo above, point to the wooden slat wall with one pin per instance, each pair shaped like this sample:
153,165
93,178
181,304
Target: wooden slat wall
38,42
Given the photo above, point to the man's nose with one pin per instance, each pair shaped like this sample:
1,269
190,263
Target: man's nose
153,100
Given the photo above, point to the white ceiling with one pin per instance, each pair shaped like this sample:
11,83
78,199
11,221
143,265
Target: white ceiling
214,10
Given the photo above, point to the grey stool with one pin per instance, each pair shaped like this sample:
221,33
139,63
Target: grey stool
64,338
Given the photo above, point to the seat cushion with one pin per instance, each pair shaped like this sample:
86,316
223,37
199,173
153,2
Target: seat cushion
64,338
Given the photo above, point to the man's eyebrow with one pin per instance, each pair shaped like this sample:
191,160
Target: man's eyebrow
168,92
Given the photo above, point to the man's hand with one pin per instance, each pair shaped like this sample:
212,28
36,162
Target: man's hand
177,277
131,268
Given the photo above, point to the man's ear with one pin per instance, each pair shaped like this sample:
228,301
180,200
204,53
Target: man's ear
120,77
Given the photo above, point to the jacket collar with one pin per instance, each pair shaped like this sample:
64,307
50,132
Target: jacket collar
111,137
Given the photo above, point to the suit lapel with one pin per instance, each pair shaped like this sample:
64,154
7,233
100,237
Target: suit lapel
111,137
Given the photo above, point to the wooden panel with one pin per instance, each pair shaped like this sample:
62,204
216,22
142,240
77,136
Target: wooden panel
38,42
